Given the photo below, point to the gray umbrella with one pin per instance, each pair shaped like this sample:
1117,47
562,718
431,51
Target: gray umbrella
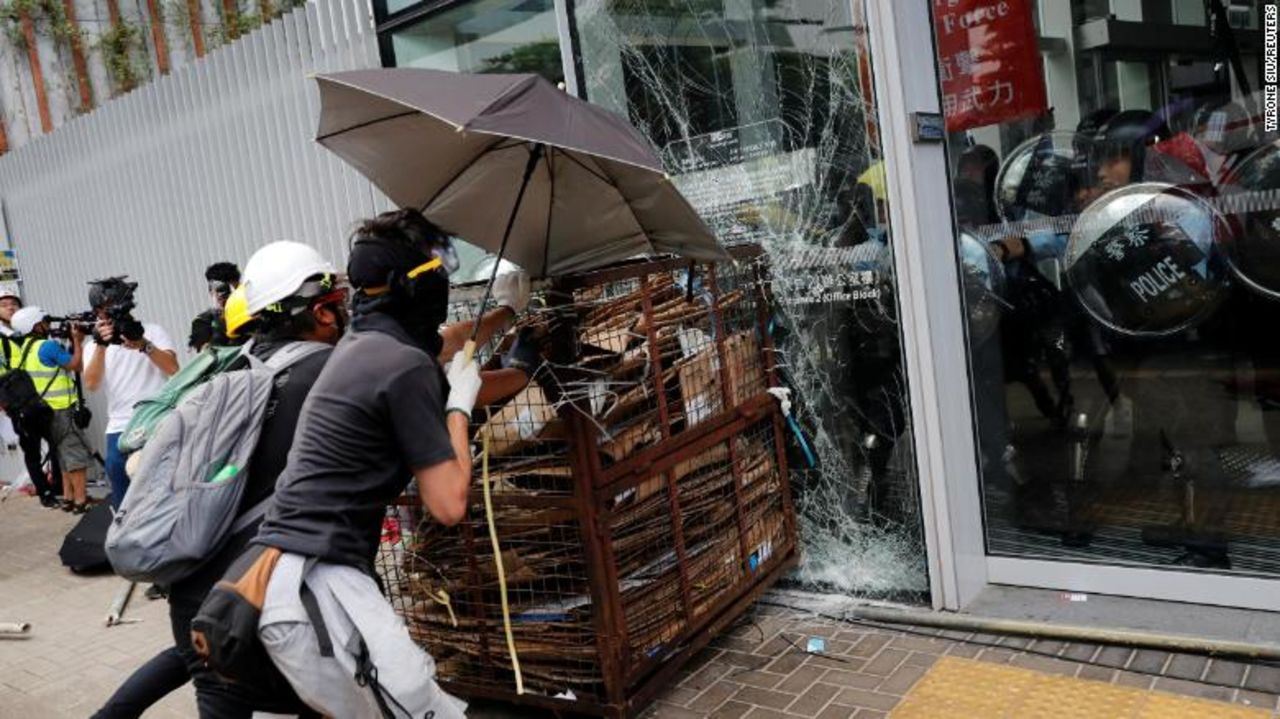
511,164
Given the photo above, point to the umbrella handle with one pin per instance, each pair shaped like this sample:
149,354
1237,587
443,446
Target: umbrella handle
468,351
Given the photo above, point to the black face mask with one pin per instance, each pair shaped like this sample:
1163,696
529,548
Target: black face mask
420,306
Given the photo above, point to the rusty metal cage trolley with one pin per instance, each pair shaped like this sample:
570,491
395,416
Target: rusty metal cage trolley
637,490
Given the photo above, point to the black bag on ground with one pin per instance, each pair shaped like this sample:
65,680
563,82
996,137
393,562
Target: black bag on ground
83,551
224,632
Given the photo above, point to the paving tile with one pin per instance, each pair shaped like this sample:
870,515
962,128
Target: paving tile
838,711
1080,652
869,646
1149,661
763,697
996,655
713,697
1193,689
1256,699
1048,665
1263,679
1117,657
679,696
813,700
920,659
870,714
706,676
1096,673
1047,646
1131,679
1186,666
762,713
855,680
786,663
744,660
885,662
801,679
902,679
759,679
862,698
968,651
1013,642
919,644
731,710
1225,671
660,710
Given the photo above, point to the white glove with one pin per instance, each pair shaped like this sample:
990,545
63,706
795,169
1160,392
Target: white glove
464,384
511,289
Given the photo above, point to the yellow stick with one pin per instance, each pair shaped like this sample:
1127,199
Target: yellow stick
497,560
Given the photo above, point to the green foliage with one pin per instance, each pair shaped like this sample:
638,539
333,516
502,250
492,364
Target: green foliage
48,17
542,58
119,45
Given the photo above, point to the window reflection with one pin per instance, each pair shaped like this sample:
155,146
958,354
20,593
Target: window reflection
1127,389
484,36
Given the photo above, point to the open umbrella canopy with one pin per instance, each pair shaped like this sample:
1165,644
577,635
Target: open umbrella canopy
457,147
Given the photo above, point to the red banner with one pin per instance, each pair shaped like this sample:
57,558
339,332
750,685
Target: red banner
989,62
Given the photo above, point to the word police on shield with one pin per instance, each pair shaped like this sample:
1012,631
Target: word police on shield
989,62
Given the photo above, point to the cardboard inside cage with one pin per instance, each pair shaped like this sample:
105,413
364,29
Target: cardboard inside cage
634,505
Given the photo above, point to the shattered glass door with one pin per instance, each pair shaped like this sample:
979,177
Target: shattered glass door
764,113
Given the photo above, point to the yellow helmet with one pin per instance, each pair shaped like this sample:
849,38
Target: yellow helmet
235,314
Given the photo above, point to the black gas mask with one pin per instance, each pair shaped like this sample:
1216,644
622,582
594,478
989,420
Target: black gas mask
415,290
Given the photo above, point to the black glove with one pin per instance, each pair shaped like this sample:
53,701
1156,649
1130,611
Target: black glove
524,355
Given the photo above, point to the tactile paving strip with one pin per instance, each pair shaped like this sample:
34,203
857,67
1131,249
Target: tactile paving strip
968,689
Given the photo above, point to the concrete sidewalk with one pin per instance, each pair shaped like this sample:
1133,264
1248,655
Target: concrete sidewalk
71,662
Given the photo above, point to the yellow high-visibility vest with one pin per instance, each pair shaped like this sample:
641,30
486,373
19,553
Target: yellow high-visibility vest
54,384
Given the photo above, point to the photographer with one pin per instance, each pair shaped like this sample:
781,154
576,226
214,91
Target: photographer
208,327
131,359
52,370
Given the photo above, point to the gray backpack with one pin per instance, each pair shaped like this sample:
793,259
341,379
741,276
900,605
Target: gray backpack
183,501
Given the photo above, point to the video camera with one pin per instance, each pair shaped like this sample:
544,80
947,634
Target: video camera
116,295
60,327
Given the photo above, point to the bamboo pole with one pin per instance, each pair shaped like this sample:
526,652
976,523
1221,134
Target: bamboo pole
37,74
78,58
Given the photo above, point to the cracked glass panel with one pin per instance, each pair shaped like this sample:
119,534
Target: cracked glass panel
764,114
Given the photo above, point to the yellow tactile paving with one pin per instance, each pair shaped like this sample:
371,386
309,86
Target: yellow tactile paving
968,689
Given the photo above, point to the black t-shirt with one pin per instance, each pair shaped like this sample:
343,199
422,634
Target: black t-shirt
375,414
268,460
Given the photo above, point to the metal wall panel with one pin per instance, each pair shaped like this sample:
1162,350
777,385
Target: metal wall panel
205,164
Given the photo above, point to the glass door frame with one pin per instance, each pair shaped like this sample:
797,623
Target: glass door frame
938,373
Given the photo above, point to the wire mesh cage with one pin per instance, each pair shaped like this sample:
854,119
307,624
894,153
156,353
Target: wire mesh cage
629,502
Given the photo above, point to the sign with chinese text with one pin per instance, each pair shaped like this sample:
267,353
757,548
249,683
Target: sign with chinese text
989,62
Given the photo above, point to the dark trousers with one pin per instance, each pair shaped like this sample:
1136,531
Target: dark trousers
30,434
170,669
147,685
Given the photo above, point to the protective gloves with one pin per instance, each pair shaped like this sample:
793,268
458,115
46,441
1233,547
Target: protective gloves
511,289
464,384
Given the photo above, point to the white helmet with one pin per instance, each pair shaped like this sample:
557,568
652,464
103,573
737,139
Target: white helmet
278,270
7,292
26,319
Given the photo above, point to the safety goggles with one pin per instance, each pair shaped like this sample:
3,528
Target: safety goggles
444,257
